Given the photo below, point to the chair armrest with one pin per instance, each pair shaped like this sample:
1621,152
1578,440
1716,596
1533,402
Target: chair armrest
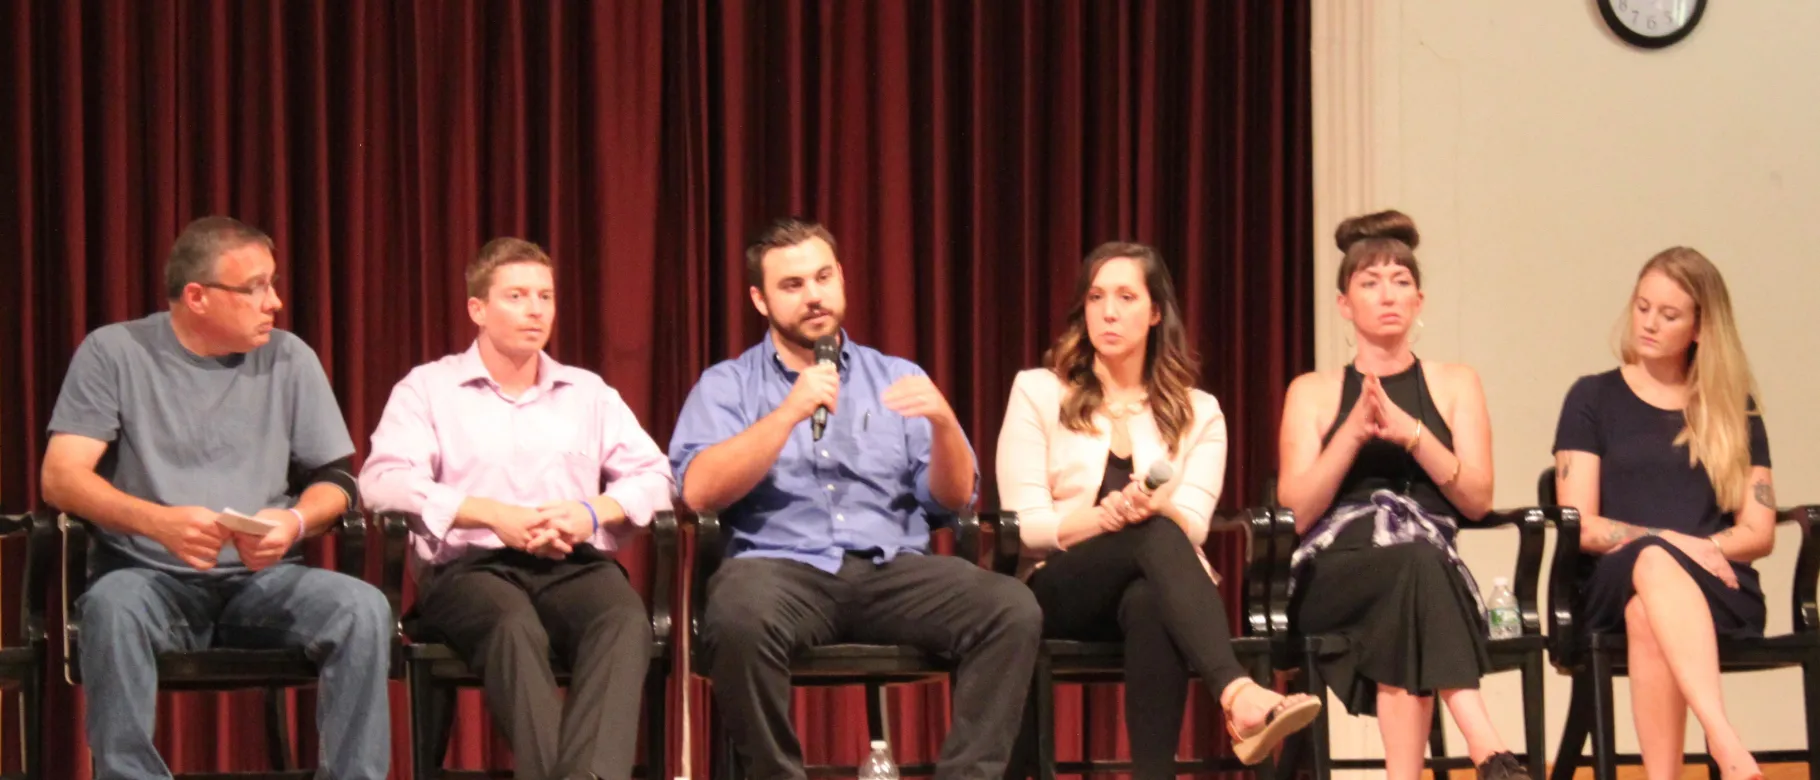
395,537
1008,542
1280,522
967,536
1262,588
1532,536
1807,567
41,540
710,549
1564,585
351,544
663,573
73,534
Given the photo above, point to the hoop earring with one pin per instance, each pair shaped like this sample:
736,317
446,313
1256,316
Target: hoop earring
1350,344
1416,335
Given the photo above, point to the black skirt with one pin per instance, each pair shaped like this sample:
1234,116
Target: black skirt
1408,618
1607,589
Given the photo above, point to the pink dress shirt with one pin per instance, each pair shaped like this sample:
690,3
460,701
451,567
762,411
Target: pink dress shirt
448,433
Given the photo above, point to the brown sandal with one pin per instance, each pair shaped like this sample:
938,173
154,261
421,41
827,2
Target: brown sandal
1287,717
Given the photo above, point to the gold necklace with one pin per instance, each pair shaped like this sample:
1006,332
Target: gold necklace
1121,410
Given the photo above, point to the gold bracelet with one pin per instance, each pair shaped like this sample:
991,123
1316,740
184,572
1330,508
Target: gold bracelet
1416,439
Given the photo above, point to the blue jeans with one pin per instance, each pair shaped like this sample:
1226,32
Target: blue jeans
129,616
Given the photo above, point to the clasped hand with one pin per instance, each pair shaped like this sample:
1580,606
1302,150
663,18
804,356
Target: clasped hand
191,534
1375,416
1133,504
550,531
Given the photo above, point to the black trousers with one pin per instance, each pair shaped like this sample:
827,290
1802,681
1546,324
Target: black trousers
1146,586
762,610
504,611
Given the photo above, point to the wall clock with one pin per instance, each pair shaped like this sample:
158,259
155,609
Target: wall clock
1652,24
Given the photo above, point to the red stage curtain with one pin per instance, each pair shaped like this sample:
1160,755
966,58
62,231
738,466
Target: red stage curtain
965,154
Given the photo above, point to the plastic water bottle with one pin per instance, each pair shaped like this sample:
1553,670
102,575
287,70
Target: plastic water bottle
879,766
1506,621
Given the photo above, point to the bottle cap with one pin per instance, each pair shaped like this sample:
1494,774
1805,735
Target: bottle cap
879,744
1500,581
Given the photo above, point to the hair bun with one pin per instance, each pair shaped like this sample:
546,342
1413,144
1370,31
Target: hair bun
1383,224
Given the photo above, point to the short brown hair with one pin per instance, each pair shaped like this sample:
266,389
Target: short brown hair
786,232
1371,240
202,242
498,252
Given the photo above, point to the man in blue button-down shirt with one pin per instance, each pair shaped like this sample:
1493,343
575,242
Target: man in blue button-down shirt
829,538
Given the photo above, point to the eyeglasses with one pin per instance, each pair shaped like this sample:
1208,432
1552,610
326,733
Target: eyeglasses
257,291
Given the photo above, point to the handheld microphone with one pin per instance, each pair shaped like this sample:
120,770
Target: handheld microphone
1160,472
827,353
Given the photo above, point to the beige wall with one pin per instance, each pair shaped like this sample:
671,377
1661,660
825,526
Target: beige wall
1544,161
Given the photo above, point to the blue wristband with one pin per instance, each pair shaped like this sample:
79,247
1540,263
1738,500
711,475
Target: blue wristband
590,508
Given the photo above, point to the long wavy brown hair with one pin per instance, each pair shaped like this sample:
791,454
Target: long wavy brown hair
1170,365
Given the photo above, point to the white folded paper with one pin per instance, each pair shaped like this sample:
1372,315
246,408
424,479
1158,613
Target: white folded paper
245,524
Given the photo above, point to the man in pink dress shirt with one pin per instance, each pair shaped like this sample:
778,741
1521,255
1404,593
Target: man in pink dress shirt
500,452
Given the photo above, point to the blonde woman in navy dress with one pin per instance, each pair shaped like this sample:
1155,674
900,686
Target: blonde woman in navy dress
1668,462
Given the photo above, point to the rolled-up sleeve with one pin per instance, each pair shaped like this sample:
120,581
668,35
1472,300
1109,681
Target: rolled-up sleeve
1203,475
712,414
638,475
919,441
400,473
1023,479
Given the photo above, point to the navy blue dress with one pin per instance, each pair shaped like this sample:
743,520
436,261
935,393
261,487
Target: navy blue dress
1645,480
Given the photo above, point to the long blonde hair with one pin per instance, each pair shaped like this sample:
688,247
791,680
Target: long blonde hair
1720,388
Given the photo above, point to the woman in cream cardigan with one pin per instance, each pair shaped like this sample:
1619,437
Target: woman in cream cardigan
1112,559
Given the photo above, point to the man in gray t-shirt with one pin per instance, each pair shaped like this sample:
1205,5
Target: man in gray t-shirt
163,423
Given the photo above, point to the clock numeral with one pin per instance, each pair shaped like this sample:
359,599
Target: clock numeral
1623,5
1652,23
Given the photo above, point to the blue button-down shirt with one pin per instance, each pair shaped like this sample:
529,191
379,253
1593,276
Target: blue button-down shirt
863,487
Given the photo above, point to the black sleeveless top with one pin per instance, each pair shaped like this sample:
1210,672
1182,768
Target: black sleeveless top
1384,465
1118,475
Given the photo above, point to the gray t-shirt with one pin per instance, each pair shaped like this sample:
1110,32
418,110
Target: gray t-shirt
188,430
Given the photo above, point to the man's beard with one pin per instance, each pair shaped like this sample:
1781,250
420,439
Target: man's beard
795,334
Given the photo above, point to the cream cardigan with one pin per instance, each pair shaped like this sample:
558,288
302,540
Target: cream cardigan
1046,471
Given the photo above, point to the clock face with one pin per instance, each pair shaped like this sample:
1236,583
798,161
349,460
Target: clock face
1652,23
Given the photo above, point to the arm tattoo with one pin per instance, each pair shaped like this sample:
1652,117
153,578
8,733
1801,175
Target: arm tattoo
1624,532
1567,465
1765,494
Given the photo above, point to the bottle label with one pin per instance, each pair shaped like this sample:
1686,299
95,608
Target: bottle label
1505,623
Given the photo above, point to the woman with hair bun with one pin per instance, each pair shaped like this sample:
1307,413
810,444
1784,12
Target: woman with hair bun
1380,461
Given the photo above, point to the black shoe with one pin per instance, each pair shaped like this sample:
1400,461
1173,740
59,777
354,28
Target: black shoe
1503,766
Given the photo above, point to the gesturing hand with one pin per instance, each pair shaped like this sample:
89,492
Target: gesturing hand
917,396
